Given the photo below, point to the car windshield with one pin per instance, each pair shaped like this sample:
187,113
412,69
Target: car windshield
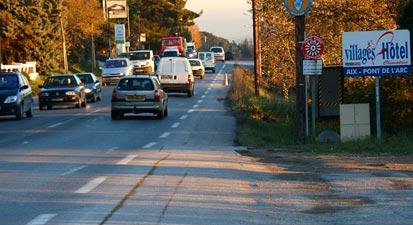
201,56
9,81
60,81
85,78
171,42
194,62
216,50
136,84
139,55
115,63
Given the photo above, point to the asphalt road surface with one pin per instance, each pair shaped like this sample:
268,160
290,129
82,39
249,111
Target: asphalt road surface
70,166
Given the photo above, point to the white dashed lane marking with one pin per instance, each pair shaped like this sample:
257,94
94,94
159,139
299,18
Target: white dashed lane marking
126,160
165,135
183,117
150,145
41,219
91,185
73,170
175,125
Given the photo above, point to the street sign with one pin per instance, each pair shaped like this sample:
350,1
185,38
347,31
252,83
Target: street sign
117,9
142,37
312,47
120,33
298,7
312,67
376,53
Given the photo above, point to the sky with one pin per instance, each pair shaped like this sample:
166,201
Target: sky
225,18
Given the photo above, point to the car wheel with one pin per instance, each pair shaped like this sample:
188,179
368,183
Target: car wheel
213,70
83,104
41,107
79,103
115,115
49,107
166,113
99,98
20,112
161,114
29,112
190,93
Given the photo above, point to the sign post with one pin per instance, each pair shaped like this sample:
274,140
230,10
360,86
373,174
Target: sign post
298,9
376,53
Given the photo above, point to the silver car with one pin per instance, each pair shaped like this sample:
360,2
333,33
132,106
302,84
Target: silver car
114,69
139,94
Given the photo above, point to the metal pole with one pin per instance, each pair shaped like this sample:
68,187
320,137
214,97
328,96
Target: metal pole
306,108
378,110
65,63
299,78
108,27
93,52
313,103
1,55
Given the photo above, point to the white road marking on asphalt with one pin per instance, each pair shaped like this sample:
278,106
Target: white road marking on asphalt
91,185
73,170
41,219
222,69
207,92
200,101
26,142
55,125
150,145
190,111
195,106
203,96
209,88
175,125
112,150
183,117
165,135
126,160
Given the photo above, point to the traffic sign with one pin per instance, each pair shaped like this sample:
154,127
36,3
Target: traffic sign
312,67
312,47
298,7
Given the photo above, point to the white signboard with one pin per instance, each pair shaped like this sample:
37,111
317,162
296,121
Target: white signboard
120,33
117,9
312,67
376,53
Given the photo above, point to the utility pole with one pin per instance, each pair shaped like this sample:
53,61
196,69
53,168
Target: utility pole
257,47
65,63
108,27
299,77
93,61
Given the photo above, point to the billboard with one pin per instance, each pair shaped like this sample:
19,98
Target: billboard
376,53
117,9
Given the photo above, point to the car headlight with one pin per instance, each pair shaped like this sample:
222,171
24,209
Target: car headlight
147,63
122,74
70,93
44,94
10,99
88,90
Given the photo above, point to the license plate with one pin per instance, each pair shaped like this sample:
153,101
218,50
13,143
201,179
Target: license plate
166,77
57,99
136,97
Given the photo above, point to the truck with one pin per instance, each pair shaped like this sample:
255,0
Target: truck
177,42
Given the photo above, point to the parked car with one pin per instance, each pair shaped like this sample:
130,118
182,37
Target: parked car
219,53
208,60
16,96
176,75
114,69
171,52
139,94
63,89
198,68
93,89
142,61
157,59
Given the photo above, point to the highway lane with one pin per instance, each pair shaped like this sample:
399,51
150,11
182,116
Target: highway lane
72,166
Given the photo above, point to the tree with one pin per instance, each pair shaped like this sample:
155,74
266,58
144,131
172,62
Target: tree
30,32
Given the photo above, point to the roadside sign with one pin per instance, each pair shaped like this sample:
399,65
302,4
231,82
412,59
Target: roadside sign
117,9
312,47
120,33
298,7
312,67
376,53
142,37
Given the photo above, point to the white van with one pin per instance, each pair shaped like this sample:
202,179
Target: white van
142,61
175,74
208,59
219,53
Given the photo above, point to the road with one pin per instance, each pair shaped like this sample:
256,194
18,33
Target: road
77,166
72,166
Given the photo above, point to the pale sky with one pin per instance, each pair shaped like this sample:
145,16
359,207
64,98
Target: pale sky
225,18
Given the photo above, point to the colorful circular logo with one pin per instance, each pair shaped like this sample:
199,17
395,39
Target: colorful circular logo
312,47
298,7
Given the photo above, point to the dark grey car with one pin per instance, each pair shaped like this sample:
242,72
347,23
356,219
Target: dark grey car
93,89
139,94
16,96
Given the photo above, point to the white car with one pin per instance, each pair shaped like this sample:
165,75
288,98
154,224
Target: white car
175,75
219,53
170,52
198,68
114,69
142,61
208,60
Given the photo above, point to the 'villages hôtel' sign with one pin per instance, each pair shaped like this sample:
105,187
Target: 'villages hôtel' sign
376,53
